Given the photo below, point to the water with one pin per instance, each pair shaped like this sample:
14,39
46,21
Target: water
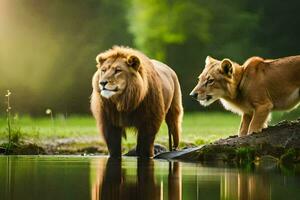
91,178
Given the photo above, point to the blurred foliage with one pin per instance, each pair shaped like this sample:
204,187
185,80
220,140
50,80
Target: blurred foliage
156,24
48,48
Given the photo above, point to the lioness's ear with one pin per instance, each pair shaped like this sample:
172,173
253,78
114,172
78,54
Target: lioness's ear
209,59
100,60
227,68
133,62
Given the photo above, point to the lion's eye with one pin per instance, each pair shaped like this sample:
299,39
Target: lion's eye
103,70
118,70
210,81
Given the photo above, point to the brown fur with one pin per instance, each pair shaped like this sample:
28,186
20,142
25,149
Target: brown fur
252,90
145,92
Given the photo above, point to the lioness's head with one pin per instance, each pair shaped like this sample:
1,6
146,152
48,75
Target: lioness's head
216,81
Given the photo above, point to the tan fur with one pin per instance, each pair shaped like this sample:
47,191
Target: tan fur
138,93
252,90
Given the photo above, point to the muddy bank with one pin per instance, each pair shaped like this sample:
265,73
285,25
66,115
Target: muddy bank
65,146
280,143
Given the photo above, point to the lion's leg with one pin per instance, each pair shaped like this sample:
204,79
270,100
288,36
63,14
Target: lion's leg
145,145
174,117
245,122
173,120
113,137
145,141
259,118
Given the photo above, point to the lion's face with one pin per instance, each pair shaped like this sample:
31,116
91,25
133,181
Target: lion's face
213,81
115,73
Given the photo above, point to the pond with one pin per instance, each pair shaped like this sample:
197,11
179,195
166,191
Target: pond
93,178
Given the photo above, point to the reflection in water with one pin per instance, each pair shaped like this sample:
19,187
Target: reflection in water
175,181
95,178
142,181
116,185
253,187
116,182
30,178
245,186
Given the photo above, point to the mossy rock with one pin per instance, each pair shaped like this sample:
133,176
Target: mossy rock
23,149
281,141
289,157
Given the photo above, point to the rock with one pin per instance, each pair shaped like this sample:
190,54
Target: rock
289,156
281,141
90,150
157,150
2,150
25,149
174,154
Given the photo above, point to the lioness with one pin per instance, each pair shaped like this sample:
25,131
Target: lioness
131,90
252,90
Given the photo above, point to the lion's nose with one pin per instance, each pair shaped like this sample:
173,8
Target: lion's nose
194,95
103,83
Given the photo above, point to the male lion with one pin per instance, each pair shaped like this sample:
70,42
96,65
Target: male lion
252,90
131,90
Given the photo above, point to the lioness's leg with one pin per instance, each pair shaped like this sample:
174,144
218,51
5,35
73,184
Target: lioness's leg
245,122
259,118
267,121
113,136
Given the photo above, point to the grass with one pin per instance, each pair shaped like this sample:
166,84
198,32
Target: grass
76,126
198,128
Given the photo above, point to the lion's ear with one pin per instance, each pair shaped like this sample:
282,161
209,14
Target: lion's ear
100,60
227,67
133,62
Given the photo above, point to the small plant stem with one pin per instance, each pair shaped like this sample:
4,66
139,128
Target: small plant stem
49,112
8,115
9,130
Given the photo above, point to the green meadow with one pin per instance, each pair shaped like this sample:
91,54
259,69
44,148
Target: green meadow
197,128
